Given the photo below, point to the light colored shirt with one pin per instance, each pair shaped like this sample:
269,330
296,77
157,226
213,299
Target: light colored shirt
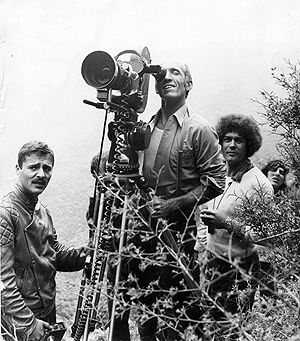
150,152
221,241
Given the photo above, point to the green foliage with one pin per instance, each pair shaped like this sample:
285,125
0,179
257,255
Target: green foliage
282,114
277,224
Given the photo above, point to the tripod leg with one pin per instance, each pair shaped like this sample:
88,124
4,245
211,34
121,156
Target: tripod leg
91,293
91,321
86,330
118,270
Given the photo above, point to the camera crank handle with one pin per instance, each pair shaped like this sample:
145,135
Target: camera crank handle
94,104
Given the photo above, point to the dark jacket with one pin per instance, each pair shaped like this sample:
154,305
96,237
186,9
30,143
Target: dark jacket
30,257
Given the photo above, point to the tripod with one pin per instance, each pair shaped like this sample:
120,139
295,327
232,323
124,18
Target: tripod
111,195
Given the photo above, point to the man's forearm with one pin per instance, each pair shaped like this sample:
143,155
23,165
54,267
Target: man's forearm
191,199
198,196
69,258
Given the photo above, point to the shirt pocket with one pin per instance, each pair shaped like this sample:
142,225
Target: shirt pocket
182,159
188,160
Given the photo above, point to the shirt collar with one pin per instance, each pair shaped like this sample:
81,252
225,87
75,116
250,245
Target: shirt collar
29,201
247,166
179,115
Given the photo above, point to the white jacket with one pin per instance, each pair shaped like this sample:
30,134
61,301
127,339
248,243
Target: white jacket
222,242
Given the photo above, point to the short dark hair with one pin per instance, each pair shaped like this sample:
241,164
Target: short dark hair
244,126
98,164
34,147
95,164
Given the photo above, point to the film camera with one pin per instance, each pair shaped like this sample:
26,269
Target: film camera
127,74
122,86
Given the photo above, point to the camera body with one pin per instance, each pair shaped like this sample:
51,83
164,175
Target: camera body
122,80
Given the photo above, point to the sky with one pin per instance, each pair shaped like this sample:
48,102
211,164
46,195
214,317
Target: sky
230,47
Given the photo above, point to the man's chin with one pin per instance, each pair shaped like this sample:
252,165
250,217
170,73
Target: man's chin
230,159
37,190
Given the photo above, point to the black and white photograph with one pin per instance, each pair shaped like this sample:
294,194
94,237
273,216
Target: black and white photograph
150,170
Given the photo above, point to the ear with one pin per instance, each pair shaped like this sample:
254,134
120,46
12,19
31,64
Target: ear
18,169
188,86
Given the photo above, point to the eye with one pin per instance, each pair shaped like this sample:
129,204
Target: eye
175,72
47,169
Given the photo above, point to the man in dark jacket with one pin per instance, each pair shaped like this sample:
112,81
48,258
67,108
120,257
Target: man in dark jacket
30,252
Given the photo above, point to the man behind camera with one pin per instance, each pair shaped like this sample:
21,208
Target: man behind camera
184,167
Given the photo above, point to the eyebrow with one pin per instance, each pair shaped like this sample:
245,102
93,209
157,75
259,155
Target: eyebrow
275,168
228,135
173,68
34,164
38,163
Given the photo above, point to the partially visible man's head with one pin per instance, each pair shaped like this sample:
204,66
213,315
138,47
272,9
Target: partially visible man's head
175,73
99,166
245,126
276,171
34,168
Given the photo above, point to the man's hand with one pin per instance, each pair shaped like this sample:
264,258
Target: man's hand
39,333
214,218
160,208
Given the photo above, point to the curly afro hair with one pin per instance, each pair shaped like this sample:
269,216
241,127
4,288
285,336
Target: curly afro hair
243,125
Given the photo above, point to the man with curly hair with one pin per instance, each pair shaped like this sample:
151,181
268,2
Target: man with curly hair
232,262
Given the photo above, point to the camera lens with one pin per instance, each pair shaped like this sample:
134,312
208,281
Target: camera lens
98,69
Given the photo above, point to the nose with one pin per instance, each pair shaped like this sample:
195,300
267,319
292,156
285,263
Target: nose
41,173
232,144
167,74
